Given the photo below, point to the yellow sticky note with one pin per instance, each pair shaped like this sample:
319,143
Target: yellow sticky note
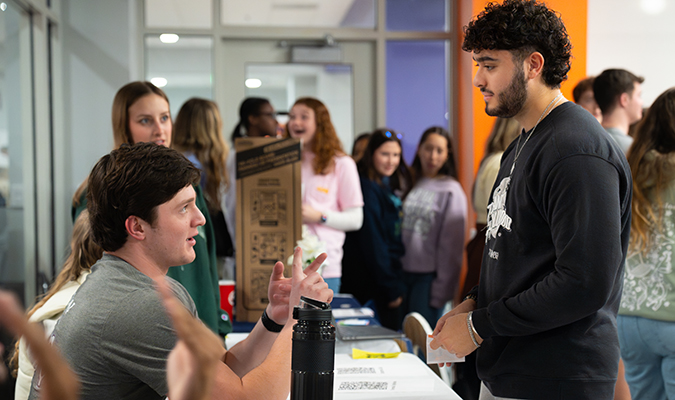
357,353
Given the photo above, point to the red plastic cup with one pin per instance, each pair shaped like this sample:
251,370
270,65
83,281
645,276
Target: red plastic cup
227,296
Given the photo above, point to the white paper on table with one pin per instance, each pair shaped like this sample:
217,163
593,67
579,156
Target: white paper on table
440,355
376,375
351,385
353,312
365,370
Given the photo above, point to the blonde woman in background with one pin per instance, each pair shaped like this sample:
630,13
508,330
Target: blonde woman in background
83,254
197,133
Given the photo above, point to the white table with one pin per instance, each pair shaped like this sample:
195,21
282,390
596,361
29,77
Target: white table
406,374
411,378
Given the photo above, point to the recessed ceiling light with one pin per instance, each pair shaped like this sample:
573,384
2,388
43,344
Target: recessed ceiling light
3,6
159,81
253,83
653,6
168,38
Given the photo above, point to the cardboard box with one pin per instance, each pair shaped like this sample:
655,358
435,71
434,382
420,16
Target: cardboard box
269,216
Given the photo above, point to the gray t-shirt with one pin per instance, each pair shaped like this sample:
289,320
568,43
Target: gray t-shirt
624,141
116,334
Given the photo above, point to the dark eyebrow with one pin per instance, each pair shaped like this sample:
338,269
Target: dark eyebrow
188,200
484,58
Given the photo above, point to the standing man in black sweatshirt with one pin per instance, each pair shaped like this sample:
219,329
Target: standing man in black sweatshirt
543,317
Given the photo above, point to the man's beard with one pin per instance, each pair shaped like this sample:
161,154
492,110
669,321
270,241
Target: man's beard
511,100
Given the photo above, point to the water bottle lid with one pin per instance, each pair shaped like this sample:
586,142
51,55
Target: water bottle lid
308,302
312,310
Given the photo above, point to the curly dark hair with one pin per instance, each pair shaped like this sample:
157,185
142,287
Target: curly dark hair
523,27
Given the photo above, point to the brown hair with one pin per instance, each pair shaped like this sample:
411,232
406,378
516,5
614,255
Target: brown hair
124,98
198,128
84,253
610,85
582,87
326,143
133,180
400,179
449,168
655,136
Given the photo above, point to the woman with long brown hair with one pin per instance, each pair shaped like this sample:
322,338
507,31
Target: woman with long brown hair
371,266
434,225
332,203
646,322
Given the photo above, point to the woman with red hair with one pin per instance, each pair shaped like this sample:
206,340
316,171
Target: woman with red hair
332,203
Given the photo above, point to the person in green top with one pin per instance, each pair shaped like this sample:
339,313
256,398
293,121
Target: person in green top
646,322
141,113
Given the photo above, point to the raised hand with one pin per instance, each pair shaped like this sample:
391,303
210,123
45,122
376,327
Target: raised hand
58,380
308,283
278,293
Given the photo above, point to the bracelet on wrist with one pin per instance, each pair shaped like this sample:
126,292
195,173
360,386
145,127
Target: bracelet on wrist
472,330
470,296
269,324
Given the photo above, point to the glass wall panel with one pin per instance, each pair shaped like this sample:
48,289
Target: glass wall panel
299,13
282,84
417,89
417,15
183,69
178,14
14,54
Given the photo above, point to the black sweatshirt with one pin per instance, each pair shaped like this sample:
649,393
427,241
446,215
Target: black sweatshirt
552,269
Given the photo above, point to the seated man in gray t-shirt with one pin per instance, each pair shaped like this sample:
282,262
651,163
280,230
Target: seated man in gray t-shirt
115,332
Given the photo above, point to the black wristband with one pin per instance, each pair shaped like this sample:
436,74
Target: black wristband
269,324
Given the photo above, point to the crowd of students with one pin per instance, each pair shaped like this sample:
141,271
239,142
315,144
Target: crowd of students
646,320
540,323
377,209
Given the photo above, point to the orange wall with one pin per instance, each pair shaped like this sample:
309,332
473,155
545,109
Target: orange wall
574,14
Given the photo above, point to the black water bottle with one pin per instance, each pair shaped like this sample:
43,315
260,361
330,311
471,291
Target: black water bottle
313,359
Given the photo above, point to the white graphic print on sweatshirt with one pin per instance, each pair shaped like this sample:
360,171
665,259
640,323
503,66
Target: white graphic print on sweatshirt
497,216
418,213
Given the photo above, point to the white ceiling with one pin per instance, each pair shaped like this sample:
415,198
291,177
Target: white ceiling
312,13
198,13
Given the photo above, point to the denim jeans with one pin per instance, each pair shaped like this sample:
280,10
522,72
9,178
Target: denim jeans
418,287
648,353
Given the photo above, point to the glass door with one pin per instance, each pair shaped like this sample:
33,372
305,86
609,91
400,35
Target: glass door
15,146
345,85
